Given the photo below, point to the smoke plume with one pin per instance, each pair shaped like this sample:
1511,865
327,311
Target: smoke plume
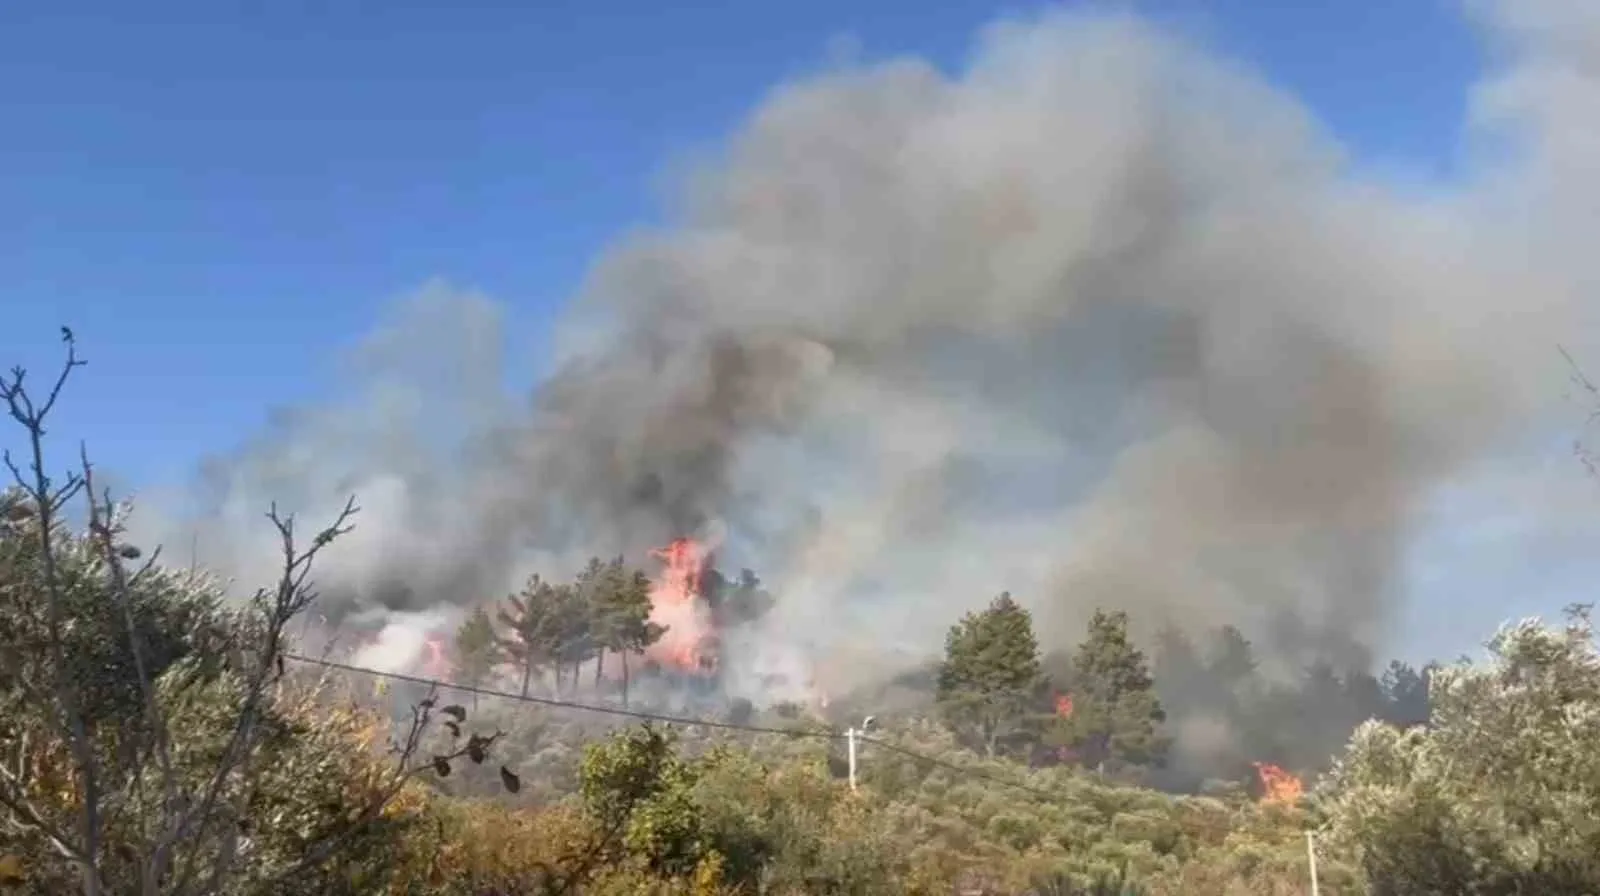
1103,319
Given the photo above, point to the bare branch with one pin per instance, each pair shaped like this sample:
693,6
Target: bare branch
32,417
178,821
104,529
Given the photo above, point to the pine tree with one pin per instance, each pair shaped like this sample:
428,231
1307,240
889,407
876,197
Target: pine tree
1406,692
1176,662
990,682
1231,674
598,585
1116,714
619,610
1231,660
572,632
477,651
532,633
631,629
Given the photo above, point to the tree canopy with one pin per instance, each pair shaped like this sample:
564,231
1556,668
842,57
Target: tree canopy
990,681
1116,716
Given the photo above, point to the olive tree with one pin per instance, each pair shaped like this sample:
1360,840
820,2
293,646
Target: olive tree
146,725
1499,792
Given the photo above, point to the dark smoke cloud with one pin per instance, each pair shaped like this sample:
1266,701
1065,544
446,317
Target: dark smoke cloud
1104,320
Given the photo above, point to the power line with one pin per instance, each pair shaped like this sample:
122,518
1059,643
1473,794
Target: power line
673,720
565,704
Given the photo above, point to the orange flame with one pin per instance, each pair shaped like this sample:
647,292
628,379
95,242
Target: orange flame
1064,706
1277,785
676,602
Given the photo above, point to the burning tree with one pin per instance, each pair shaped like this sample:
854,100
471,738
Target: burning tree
1278,785
1115,715
678,606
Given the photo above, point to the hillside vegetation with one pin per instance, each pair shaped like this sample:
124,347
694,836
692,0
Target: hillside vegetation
156,739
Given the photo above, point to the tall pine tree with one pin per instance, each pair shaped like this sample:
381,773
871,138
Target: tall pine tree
989,682
572,635
533,631
621,610
1116,715
477,651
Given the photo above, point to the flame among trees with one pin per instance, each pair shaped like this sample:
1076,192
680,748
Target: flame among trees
1105,705
995,695
677,606
1277,785
611,617
125,710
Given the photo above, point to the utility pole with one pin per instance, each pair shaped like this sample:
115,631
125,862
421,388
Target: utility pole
850,736
1311,854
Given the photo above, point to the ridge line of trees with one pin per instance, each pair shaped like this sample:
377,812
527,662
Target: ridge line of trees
1108,706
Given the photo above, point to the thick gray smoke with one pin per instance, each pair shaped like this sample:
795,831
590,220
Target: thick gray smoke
1103,321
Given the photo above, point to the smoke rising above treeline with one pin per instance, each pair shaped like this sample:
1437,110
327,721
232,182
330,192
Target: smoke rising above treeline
1102,319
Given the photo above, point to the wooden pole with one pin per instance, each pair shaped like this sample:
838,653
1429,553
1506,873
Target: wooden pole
1311,855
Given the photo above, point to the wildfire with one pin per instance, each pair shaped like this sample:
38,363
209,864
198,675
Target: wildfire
677,603
1277,785
1064,711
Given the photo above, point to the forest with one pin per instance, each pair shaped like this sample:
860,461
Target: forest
159,738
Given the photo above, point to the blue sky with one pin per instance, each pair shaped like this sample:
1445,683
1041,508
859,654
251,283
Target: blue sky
219,197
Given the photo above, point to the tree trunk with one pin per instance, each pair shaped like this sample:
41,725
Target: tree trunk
599,667
624,679
527,676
